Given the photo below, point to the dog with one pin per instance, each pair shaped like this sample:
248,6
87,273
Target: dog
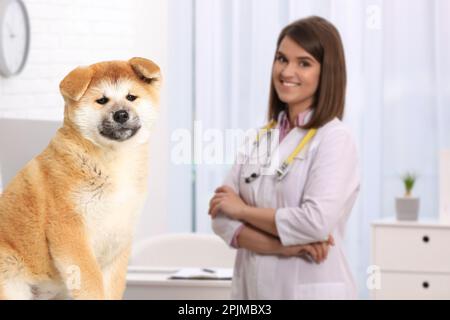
67,218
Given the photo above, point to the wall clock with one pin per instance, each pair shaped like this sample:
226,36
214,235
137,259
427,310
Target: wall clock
14,37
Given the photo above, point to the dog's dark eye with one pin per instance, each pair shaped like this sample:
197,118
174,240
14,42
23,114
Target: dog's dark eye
130,97
103,100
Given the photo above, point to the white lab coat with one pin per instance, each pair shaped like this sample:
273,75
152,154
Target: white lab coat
313,201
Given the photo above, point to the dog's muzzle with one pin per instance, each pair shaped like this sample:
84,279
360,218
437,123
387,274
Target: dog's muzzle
120,125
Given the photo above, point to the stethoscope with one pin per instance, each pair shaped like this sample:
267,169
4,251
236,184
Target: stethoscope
284,167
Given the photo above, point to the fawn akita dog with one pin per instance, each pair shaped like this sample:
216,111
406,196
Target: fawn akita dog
67,218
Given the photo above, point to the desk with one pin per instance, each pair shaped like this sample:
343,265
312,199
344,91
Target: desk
154,284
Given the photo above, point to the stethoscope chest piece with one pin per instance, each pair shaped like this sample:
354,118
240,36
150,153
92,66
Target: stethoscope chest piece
252,177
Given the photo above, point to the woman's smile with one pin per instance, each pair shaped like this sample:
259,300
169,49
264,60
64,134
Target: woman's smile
289,84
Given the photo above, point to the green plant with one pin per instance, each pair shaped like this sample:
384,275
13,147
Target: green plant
409,179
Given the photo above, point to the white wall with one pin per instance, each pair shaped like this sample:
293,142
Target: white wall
68,33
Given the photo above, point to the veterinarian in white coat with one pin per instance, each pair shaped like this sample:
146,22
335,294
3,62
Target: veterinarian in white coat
288,223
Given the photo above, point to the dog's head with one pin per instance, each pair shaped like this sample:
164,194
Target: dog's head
110,103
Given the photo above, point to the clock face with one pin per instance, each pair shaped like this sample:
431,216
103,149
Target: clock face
14,38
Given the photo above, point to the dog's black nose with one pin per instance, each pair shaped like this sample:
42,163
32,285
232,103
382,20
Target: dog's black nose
121,116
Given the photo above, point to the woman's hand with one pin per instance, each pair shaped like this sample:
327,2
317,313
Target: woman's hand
226,201
318,251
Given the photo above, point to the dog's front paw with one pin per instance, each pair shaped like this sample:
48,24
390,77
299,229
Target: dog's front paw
88,295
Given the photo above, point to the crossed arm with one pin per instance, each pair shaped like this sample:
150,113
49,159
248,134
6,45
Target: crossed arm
259,233
333,181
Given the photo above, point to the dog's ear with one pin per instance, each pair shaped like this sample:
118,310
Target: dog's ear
75,84
146,70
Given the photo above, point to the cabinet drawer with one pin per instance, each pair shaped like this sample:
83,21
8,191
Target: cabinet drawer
413,286
411,249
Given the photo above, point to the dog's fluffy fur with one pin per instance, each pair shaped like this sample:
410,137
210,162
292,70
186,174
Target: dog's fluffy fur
66,219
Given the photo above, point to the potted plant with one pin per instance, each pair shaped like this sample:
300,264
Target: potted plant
407,207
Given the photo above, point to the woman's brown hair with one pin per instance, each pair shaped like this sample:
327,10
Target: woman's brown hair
322,40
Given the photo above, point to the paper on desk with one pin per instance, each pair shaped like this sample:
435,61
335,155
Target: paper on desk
201,274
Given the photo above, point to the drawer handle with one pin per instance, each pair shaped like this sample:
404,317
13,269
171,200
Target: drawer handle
425,285
426,239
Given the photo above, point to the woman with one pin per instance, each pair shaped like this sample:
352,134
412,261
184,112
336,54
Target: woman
288,221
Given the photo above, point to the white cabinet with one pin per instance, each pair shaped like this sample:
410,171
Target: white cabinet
414,259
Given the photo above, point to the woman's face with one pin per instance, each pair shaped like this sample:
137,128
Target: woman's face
295,75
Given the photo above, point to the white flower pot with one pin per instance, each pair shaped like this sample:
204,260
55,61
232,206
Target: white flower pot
407,208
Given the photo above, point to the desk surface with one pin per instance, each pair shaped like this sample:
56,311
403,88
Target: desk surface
160,276
154,284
